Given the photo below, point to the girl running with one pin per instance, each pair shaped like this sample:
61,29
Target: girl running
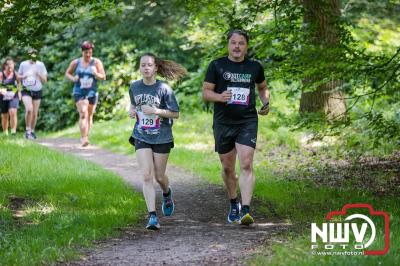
154,105
9,96
85,72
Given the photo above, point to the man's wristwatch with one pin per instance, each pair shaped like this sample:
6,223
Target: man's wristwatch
265,106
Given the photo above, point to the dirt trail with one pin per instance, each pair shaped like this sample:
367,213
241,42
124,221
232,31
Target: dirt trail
197,233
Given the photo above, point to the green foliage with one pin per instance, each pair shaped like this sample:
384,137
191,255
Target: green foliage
25,23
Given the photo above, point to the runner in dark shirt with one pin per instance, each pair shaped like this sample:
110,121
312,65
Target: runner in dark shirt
230,83
9,96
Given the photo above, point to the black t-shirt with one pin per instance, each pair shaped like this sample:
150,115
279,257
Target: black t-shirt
240,78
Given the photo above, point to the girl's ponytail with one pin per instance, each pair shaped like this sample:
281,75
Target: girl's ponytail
168,69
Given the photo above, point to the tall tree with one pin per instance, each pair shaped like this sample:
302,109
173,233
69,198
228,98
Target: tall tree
26,23
322,28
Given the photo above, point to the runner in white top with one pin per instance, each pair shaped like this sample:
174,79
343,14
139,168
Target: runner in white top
33,74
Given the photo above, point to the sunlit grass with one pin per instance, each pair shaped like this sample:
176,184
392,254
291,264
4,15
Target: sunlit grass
64,203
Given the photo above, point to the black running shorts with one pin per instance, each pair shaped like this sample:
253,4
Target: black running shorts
35,95
92,100
227,135
7,105
156,148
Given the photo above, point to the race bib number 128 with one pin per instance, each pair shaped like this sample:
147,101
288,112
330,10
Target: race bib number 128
239,95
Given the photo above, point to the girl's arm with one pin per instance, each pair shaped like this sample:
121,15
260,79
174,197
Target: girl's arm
99,70
161,112
70,71
132,111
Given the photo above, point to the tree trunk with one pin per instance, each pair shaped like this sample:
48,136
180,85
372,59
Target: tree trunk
322,20
326,99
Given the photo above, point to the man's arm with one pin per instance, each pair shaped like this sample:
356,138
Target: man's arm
263,92
210,95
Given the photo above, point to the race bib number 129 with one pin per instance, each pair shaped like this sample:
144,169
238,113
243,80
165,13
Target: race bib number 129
239,95
148,121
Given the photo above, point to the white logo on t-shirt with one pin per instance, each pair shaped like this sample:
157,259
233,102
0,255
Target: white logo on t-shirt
227,75
237,77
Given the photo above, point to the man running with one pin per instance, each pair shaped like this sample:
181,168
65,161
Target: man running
230,83
33,74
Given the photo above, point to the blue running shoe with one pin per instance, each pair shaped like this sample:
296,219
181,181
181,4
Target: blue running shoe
234,213
153,223
168,204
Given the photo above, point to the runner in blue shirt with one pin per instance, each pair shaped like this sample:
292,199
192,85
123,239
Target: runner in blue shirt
85,72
